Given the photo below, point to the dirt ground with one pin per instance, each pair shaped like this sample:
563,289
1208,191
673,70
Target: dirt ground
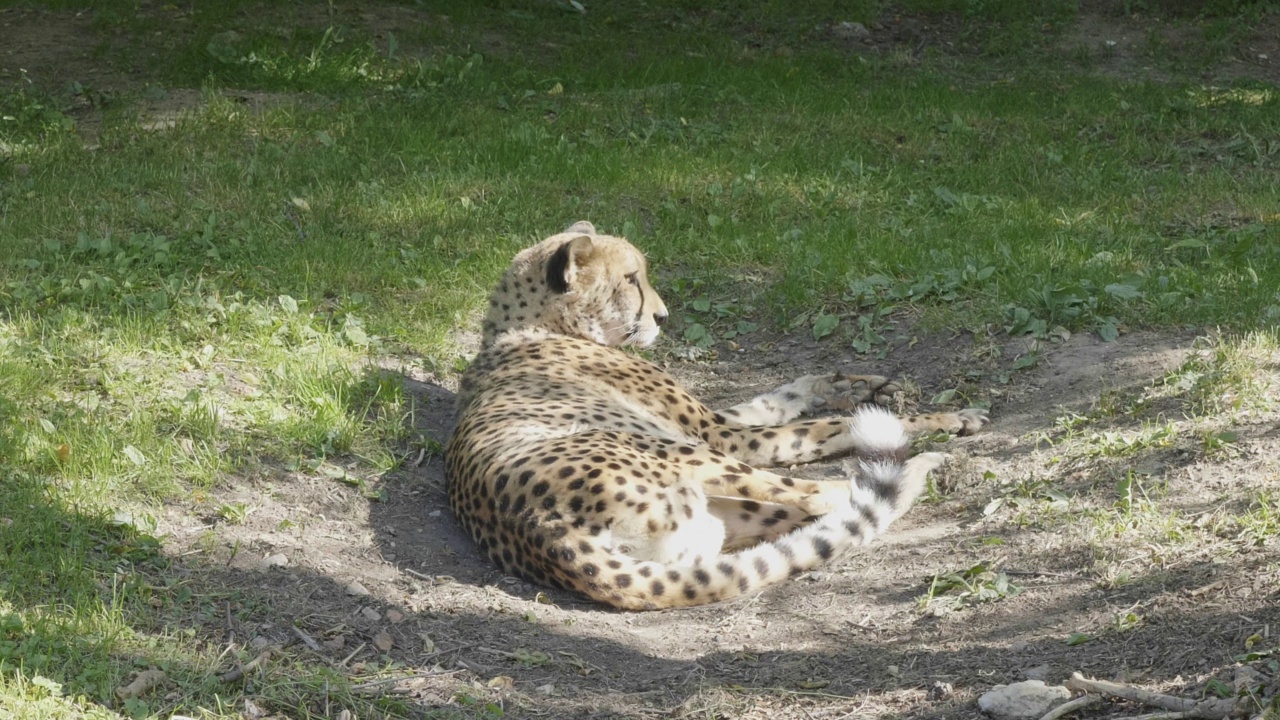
849,641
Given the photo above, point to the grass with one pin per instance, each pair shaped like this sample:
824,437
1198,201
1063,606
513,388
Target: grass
217,300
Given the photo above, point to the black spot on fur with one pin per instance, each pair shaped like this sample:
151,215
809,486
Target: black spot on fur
823,548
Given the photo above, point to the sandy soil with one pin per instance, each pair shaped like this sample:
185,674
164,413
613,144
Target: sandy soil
850,639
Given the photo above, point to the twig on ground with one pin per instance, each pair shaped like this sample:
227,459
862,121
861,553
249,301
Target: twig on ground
347,659
305,638
411,676
1209,708
1071,706
242,670
1038,573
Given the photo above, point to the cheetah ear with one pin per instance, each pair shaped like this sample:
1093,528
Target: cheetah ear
564,263
582,226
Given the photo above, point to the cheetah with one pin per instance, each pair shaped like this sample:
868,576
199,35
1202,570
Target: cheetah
580,465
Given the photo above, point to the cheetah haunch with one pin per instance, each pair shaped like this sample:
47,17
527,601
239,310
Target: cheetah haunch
579,465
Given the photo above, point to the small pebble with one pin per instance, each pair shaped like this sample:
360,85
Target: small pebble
939,690
277,560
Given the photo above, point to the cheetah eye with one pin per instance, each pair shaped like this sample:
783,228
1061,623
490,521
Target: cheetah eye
634,279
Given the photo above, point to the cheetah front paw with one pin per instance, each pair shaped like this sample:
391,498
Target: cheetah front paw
962,422
972,420
845,392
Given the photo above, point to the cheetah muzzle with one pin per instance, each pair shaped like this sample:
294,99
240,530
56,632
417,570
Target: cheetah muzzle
579,465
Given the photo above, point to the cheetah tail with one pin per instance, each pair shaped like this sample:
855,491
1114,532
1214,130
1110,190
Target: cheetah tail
883,492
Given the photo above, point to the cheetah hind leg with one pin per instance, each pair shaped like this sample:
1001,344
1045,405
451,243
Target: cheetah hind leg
809,394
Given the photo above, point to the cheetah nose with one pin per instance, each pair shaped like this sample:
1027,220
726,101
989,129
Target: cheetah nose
660,317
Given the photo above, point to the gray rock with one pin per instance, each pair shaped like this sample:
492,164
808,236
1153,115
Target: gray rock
356,589
277,560
939,691
851,31
1024,700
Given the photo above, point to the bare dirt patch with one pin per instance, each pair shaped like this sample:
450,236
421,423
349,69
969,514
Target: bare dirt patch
1145,49
853,638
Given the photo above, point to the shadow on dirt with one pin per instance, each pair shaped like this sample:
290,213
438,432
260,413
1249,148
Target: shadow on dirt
562,665
853,638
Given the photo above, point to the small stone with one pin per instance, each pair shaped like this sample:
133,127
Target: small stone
500,682
277,560
383,641
395,616
1024,700
939,691
355,588
145,682
817,576
893,670
851,31
1246,679
370,614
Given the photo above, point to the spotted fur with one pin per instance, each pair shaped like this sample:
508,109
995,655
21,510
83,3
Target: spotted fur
580,465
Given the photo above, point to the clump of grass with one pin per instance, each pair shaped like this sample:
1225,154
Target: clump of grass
1235,376
978,584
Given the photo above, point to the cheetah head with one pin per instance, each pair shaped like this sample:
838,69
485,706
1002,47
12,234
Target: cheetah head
583,284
